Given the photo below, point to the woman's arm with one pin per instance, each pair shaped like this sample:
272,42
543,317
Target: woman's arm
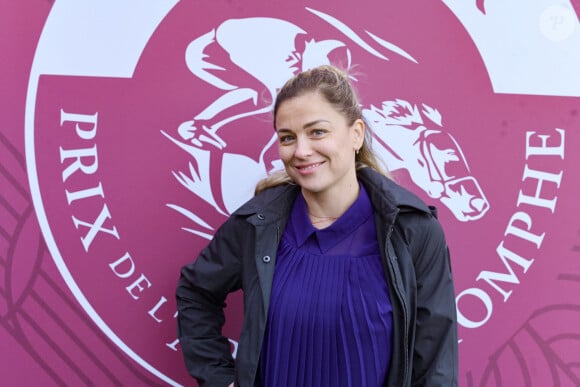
201,292
435,358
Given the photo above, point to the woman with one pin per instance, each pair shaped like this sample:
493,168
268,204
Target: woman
346,275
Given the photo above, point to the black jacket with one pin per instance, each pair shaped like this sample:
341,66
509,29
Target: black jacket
242,255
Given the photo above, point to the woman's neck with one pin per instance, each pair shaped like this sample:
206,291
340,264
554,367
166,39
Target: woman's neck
325,208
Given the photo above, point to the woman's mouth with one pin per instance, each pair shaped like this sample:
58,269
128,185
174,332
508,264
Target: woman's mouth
306,169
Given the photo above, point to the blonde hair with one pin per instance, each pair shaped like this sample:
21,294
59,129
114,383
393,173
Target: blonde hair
333,84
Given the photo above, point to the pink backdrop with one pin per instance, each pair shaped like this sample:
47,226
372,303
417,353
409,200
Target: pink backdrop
130,130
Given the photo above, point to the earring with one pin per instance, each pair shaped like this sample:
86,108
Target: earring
356,151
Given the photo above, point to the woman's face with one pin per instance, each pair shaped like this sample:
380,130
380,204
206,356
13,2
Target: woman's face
317,145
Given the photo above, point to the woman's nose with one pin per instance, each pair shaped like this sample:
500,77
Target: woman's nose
303,148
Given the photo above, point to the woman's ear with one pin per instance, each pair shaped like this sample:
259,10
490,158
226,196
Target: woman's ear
358,128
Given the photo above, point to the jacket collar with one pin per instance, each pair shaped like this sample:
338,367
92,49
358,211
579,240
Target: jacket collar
270,206
388,198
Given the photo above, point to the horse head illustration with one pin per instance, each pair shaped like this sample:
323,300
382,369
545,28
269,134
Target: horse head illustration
432,157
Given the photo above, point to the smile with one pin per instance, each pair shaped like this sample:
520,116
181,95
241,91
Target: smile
308,168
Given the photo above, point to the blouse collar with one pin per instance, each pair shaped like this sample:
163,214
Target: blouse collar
327,237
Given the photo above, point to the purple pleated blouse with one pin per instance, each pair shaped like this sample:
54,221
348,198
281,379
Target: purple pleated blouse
330,316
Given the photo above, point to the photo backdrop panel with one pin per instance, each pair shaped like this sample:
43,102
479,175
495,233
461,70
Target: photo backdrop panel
133,140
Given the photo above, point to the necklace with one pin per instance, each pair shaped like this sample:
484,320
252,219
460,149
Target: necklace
321,219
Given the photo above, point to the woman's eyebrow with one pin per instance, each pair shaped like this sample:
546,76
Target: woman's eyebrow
312,123
305,126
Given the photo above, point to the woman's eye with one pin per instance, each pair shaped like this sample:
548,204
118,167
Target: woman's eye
318,132
285,139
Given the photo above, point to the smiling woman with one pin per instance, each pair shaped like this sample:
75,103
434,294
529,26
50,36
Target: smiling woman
346,275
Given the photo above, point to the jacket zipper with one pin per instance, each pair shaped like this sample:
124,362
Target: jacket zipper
390,257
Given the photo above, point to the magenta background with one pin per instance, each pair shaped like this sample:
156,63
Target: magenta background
47,339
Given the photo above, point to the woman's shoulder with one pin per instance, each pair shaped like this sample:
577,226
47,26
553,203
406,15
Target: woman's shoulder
383,188
277,198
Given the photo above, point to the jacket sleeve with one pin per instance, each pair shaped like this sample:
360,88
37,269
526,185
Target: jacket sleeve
435,359
201,293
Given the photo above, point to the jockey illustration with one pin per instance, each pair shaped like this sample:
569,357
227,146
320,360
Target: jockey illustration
266,50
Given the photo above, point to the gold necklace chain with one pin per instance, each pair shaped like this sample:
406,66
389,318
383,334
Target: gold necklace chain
321,219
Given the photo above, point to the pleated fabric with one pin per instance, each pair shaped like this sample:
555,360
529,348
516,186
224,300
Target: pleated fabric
330,316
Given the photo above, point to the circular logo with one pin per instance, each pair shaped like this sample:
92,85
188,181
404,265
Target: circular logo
142,140
558,22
